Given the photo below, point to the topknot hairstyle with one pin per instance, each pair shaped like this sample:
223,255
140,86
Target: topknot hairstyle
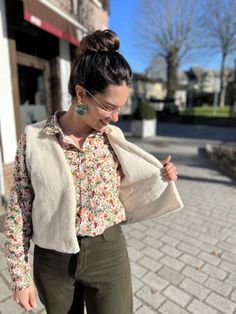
98,41
99,64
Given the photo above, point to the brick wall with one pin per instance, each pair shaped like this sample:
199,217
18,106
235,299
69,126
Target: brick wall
97,15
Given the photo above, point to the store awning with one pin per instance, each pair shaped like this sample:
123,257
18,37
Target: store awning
47,19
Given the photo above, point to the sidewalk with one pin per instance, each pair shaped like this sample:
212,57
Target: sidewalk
185,262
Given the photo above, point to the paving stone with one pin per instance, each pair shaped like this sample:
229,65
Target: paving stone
145,310
2,262
138,270
152,242
233,296
137,234
154,233
153,253
177,295
5,292
135,243
229,234
151,296
231,280
6,277
181,221
175,234
221,303
214,271
197,307
139,226
184,247
226,246
172,263
209,258
192,233
169,250
229,256
198,229
212,249
192,261
228,267
166,220
9,306
154,281
136,284
179,227
136,303
218,286
194,288
188,239
231,238
170,240
208,239
134,254
149,223
149,263
171,275
193,273
170,307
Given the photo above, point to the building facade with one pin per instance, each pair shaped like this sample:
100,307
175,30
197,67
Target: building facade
38,40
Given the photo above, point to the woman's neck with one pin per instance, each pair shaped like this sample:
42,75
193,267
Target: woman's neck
72,124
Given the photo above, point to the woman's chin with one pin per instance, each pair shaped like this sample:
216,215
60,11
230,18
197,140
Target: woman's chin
103,127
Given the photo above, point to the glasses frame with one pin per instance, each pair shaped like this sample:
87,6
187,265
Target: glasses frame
104,107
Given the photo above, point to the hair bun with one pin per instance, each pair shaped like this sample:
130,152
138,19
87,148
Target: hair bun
105,40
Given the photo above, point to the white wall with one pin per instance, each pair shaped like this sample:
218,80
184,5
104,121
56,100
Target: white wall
181,99
8,127
64,73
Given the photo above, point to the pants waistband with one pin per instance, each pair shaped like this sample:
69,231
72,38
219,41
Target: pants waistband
110,233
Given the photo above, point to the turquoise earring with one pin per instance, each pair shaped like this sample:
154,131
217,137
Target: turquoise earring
81,109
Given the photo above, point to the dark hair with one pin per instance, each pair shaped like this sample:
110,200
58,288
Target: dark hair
99,63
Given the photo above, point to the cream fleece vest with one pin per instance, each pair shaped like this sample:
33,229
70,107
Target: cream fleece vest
143,192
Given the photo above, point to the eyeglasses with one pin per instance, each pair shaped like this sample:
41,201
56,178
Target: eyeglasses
104,107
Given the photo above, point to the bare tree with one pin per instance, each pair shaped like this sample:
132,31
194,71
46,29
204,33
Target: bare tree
166,29
219,26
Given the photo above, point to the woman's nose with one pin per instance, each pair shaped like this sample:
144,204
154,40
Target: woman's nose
115,116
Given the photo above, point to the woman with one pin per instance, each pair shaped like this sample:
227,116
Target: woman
76,179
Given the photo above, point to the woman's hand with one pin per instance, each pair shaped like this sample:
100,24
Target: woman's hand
169,169
26,298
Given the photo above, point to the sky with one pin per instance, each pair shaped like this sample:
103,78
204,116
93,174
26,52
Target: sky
121,20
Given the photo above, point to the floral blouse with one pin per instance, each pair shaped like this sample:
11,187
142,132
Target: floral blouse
96,172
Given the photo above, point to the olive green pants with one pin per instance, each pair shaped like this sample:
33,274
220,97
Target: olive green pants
99,276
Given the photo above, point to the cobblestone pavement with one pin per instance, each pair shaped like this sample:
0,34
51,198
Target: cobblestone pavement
184,262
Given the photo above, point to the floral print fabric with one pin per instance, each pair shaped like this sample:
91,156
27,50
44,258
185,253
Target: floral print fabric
96,172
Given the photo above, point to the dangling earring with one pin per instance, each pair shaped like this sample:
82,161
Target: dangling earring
81,108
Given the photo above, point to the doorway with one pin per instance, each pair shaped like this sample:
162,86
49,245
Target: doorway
34,89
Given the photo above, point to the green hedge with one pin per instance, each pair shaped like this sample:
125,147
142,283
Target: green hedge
144,111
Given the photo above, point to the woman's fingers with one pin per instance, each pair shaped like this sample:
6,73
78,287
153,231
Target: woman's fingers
166,160
26,298
169,172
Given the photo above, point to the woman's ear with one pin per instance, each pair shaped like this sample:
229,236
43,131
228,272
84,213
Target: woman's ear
80,92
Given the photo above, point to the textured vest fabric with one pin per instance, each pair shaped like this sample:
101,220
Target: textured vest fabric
143,191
